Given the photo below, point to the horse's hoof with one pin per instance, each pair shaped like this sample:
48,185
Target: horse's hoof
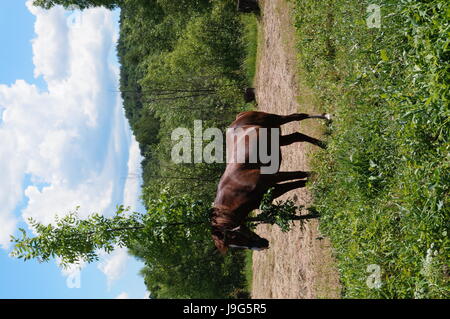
328,116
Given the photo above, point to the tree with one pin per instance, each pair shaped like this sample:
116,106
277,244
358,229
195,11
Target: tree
172,224
192,273
174,220
78,4
172,239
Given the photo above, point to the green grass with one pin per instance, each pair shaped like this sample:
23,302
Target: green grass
248,270
250,38
384,179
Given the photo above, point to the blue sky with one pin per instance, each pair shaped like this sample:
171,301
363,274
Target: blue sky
64,143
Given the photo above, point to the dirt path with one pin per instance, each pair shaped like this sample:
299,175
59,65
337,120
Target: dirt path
297,265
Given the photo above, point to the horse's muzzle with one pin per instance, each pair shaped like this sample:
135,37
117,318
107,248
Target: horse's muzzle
261,243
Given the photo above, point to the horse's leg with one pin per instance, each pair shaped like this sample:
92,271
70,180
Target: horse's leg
280,189
287,176
274,120
299,137
283,119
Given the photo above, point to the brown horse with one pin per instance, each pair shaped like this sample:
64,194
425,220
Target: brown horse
244,182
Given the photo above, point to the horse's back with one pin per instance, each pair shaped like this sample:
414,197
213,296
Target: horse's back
256,118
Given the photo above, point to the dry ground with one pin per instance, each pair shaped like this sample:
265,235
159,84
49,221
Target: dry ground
298,263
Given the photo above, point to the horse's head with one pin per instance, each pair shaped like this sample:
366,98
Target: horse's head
238,237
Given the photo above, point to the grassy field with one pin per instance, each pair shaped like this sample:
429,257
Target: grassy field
248,270
250,38
384,178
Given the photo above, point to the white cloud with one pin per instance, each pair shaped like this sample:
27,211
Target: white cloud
71,269
8,225
71,140
50,50
134,181
10,185
123,295
113,265
58,199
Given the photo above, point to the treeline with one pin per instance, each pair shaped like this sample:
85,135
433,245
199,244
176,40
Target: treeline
182,61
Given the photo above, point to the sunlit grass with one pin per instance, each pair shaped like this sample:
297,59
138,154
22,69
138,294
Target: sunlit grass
384,178
250,38
248,270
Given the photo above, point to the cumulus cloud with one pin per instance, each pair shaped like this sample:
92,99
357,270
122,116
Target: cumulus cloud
134,181
71,269
71,139
50,50
123,295
10,185
8,225
113,265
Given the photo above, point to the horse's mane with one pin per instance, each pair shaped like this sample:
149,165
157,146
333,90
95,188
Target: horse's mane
221,218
